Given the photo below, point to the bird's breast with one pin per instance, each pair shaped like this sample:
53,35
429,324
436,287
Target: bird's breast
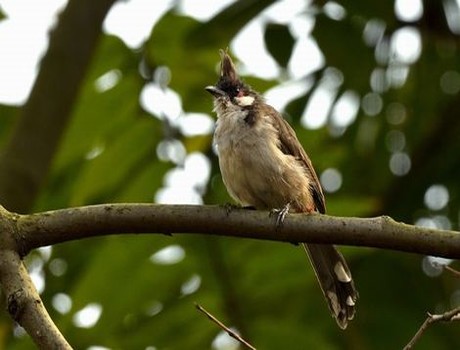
254,169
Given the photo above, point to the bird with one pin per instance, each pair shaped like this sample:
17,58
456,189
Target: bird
264,166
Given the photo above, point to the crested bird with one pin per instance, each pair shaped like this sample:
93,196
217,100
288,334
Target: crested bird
263,165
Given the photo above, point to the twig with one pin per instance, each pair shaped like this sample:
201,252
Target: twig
225,328
456,273
449,316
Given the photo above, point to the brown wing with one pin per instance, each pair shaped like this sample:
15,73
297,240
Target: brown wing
289,144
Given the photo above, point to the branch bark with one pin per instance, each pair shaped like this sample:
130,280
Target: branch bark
23,301
64,225
21,233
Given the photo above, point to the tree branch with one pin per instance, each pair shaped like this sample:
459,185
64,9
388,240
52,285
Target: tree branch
21,233
23,301
64,225
229,331
449,316
451,270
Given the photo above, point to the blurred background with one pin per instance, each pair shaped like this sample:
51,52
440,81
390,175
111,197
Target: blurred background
112,109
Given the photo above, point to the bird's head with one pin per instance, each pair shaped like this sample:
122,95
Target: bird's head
230,89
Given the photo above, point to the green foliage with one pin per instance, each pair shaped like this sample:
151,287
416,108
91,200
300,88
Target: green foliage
279,43
346,36
7,115
109,153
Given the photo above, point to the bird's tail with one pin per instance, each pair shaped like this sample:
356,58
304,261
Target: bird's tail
335,280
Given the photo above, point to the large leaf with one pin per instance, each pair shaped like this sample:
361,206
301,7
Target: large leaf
191,49
342,45
223,27
279,42
364,10
168,47
7,116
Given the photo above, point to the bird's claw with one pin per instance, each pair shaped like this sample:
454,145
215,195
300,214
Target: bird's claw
280,214
229,207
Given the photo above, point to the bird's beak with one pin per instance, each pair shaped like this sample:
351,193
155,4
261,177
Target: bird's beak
215,91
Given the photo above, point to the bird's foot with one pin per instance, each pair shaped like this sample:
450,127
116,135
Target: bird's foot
229,207
280,214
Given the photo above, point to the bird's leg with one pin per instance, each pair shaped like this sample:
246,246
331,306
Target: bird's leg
280,214
229,207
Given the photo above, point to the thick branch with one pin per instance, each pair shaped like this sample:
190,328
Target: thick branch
381,232
21,233
23,302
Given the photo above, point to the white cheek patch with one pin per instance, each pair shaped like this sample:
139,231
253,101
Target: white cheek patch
244,101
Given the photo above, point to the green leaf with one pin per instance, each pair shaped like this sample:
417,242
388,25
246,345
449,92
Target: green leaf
366,10
191,49
2,14
99,116
188,66
279,42
116,165
219,31
342,45
8,115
